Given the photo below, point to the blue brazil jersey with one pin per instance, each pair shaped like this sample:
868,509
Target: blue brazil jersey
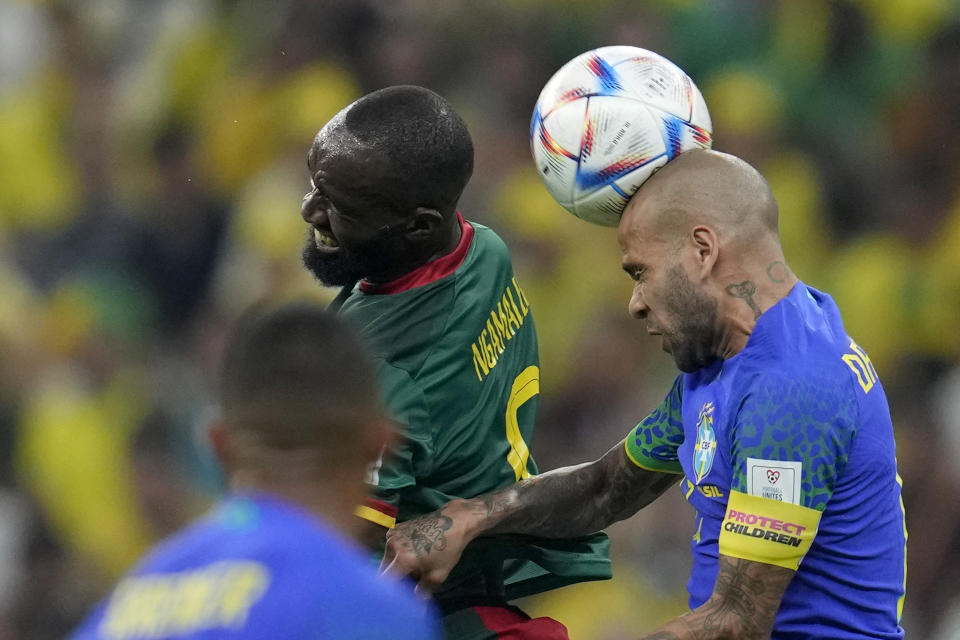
258,567
787,455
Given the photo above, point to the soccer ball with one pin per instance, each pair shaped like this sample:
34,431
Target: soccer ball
606,121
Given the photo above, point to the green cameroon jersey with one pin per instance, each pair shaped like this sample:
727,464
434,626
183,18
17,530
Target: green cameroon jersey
457,351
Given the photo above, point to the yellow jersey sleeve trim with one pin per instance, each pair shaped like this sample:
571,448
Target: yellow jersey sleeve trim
647,467
375,516
767,531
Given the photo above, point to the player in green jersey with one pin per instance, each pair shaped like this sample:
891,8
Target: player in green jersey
437,300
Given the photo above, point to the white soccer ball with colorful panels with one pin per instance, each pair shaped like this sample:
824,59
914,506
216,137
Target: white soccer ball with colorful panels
606,121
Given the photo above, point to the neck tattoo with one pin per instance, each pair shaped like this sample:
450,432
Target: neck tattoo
745,290
777,271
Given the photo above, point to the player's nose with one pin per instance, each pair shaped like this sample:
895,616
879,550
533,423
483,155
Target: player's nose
311,211
637,306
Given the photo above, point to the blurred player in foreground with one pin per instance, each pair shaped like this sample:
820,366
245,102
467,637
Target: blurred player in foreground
778,431
454,340
300,423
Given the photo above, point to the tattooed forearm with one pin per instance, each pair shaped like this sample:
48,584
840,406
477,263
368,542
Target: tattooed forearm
742,598
575,500
745,290
744,604
563,503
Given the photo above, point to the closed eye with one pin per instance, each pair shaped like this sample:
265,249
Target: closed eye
316,193
635,271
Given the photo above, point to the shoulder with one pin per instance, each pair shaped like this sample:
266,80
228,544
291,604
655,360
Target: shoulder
487,245
811,378
402,328
800,348
816,385
179,548
250,526
486,275
486,236
787,408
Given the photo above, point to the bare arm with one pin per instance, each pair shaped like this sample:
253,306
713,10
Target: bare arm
565,502
571,501
743,604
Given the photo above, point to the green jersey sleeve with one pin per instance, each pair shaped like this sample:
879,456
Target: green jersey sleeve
653,443
410,458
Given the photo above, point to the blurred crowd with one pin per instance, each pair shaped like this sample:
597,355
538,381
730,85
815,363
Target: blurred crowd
152,161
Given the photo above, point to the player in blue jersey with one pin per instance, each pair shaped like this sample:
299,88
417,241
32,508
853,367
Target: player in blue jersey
778,431
300,425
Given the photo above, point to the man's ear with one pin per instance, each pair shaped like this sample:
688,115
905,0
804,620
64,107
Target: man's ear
707,248
425,223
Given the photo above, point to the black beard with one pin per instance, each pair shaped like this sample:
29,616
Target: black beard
336,270
692,336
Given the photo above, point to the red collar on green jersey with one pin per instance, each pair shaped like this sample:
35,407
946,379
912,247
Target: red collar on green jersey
430,272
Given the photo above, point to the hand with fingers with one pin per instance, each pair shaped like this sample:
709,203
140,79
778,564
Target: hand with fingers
427,548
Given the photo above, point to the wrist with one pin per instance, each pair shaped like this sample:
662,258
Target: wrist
470,516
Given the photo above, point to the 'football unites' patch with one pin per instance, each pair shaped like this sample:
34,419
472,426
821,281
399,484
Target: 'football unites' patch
774,479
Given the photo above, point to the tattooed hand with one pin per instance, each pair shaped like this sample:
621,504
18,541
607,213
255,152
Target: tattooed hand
427,548
428,534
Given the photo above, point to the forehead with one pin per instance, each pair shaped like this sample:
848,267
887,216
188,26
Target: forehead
332,146
633,234
337,160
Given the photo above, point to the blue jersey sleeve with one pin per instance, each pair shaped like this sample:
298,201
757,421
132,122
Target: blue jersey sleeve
653,443
792,437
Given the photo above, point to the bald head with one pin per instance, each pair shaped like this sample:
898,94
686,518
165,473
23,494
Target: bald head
700,240
706,187
407,141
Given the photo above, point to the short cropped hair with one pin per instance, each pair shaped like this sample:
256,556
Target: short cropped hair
425,141
298,377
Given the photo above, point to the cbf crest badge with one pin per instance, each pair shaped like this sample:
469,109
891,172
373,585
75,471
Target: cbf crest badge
706,446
